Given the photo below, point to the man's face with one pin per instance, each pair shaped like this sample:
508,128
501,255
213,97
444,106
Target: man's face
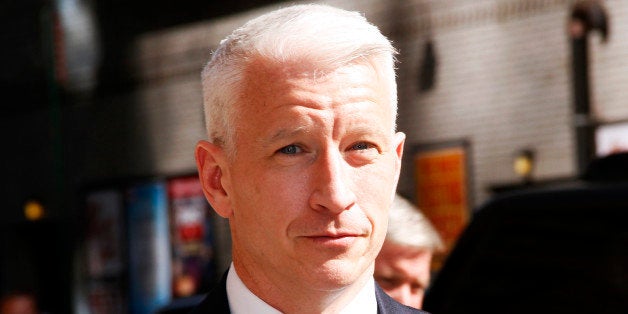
403,273
315,170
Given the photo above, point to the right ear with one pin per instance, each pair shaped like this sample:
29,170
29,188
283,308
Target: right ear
210,160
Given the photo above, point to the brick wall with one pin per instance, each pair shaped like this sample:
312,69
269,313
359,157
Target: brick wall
502,83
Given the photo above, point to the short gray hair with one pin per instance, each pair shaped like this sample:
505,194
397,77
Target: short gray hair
326,37
408,226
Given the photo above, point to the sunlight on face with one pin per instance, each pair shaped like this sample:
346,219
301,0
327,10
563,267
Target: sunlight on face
315,171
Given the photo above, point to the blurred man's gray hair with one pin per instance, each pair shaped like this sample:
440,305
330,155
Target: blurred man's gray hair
408,226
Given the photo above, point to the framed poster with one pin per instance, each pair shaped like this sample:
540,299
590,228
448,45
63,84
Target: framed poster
192,237
105,297
102,290
104,235
441,176
149,247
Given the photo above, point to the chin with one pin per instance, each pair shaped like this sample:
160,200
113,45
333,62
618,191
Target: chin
337,274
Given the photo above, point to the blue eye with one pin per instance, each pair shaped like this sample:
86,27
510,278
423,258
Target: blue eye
361,146
290,150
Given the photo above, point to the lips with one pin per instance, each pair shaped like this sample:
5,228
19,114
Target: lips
334,239
335,234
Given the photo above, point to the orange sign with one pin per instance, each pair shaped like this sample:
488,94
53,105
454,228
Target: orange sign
441,189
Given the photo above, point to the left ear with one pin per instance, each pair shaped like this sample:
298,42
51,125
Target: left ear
399,141
210,161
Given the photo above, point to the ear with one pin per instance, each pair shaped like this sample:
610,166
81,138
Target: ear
210,160
399,142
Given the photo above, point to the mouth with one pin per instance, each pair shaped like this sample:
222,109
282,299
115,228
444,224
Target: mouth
342,240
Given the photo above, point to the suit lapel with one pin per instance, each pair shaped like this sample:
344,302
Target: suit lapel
387,305
216,300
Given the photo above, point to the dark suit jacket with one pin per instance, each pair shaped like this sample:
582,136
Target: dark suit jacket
216,302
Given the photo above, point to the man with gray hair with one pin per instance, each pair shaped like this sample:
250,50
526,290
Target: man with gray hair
303,159
403,266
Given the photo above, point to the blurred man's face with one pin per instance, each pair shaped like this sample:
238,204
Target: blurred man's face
403,273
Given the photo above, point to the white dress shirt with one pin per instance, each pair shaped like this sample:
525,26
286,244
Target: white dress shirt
243,301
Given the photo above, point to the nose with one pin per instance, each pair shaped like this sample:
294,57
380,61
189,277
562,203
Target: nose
332,183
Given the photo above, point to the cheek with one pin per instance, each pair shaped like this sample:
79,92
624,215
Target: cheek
374,189
268,197
380,175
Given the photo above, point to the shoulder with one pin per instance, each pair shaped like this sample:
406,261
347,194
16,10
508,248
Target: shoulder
388,305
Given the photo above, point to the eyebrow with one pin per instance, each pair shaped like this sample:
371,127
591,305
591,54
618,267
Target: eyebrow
284,133
289,132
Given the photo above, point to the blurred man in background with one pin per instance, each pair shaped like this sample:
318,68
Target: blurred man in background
402,267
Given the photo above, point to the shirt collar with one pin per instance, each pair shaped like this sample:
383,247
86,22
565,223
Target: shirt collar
242,300
364,302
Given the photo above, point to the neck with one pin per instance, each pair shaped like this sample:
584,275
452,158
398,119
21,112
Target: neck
293,296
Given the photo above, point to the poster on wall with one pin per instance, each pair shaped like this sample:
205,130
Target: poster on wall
442,190
104,234
104,251
149,247
105,297
192,242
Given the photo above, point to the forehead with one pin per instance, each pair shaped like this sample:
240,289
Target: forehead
267,83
